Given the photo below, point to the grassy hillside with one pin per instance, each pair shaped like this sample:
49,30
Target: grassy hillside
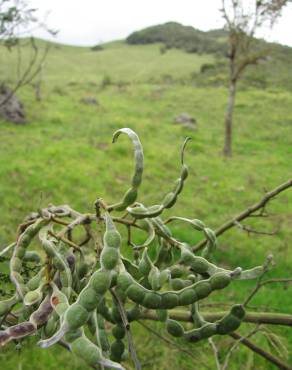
64,155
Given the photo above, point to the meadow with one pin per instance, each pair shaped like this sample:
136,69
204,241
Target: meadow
64,155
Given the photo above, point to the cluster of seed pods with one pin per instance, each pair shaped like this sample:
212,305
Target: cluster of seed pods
89,269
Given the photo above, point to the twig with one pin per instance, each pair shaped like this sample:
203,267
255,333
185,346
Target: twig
268,356
126,324
168,341
236,345
251,317
246,213
249,230
215,351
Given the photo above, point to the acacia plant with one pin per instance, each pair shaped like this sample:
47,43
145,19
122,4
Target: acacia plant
82,292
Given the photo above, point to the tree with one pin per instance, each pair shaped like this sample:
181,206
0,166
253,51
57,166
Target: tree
82,290
17,19
242,20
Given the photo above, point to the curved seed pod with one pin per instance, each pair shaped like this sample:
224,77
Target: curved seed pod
232,320
145,264
42,314
19,252
7,304
134,313
178,284
35,281
32,256
170,198
131,195
117,350
153,278
34,296
198,264
251,274
118,331
151,231
160,228
131,268
176,271
83,348
204,332
50,247
174,328
196,224
110,255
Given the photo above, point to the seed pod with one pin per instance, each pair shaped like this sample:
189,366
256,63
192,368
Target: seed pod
187,296
83,348
231,321
162,315
88,298
100,281
174,328
145,263
176,271
76,316
178,284
118,332
131,195
110,254
220,280
202,289
7,304
109,258
117,350
124,281
152,300
136,293
169,300
31,256
134,313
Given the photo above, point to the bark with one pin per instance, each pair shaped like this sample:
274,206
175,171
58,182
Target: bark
229,119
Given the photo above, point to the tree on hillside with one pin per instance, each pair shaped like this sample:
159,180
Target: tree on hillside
18,19
242,21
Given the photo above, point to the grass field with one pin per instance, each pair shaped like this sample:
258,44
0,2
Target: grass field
64,155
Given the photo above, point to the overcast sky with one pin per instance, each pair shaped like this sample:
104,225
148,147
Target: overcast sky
89,22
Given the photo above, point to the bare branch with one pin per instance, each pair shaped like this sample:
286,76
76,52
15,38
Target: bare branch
247,212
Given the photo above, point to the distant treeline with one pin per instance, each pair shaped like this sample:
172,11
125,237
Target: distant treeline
175,35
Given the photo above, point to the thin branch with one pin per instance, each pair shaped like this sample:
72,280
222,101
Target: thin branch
268,356
126,324
249,230
168,341
215,351
250,317
247,212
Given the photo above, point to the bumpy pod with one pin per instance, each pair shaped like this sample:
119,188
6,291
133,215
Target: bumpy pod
169,200
110,254
232,320
131,195
7,304
18,254
174,328
83,348
117,350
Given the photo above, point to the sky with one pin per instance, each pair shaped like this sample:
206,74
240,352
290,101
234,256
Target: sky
89,22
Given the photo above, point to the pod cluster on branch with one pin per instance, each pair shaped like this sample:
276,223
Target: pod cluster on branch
86,290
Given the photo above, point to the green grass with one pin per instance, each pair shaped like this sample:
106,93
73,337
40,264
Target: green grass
65,155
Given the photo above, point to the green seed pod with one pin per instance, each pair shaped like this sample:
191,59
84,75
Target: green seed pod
100,281
83,348
7,304
109,258
169,300
115,313
220,280
174,328
34,282
124,281
178,284
231,321
162,315
31,256
16,264
136,293
153,278
134,313
76,316
88,298
210,235
199,265
187,296
118,332
112,239
145,263
202,289
176,271
152,300
117,350
32,297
